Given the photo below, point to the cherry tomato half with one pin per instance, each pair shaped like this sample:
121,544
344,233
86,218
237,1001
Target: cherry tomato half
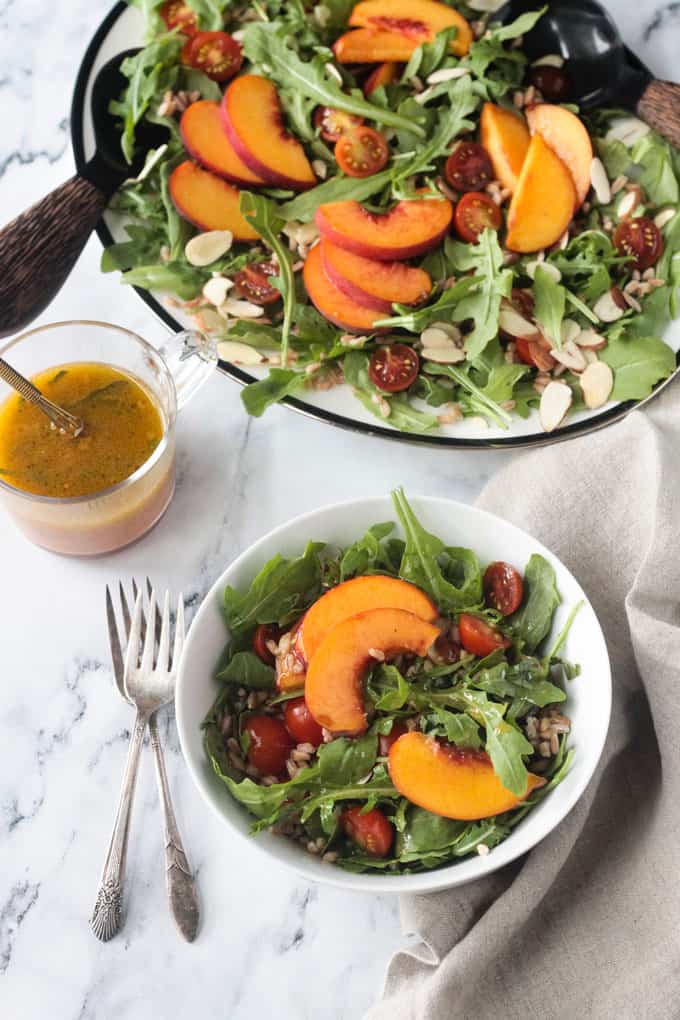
385,740
270,744
474,213
177,14
372,831
503,587
301,724
468,168
264,633
393,367
640,238
361,152
253,283
335,123
479,637
217,54
552,82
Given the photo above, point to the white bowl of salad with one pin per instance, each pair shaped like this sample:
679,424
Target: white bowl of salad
388,695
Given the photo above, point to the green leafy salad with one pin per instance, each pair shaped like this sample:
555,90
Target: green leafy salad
460,731
436,228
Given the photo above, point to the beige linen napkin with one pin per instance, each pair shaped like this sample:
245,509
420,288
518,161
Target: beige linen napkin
587,925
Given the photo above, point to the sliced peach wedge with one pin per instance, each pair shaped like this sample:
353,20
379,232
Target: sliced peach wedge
357,596
334,684
568,138
253,120
410,228
206,140
208,202
372,283
450,781
384,74
419,20
328,299
543,203
506,138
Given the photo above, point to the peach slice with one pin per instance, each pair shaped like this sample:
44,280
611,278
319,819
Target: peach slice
416,19
328,299
208,202
206,140
411,228
357,596
384,74
374,284
364,46
544,200
253,119
506,138
568,138
450,781
334,688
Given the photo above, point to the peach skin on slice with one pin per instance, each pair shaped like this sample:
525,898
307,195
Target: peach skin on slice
330,300
208,202
372,283
334,685
253,119
419,19
206,140
544,200
568,138
506,138
411,228
365,46
357,596
450,781
384,74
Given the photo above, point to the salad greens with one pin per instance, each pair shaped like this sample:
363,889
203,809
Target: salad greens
421,118
491,704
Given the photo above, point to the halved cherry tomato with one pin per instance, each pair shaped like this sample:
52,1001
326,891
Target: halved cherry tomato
270,744
373,832
524,352
385,740
474,213
468,168
640,238
552,82
393,367
264,633
335,123
479,637
178,14
503,587
217,54
361,152
253,283
301,724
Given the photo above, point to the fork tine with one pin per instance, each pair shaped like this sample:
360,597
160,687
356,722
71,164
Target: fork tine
124,606
134,638
156,614
146,664
135,592
179,632
162,662
114,642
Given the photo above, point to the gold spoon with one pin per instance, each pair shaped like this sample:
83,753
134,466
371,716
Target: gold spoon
61,419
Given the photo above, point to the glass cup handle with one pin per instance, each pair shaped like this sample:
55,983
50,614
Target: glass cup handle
191,358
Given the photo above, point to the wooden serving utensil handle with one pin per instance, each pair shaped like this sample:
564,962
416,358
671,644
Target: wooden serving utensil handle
39,248
659,106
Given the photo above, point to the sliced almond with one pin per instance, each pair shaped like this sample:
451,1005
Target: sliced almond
590,355
206,248
216,289
241,309
238,354
307,233
627,205
514,324
570,356
588,339
555,402
447,74
435,337
333,72
664,217
320,169
485,5
607,309
628,130
444,355
597,383
549,60
550,269
570,330
449,328
600,181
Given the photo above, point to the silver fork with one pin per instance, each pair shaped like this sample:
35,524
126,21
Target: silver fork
147,685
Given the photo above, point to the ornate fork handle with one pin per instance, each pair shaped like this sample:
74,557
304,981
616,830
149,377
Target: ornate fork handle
106,916
179,880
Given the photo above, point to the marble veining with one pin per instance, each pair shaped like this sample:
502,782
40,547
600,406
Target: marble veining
269,943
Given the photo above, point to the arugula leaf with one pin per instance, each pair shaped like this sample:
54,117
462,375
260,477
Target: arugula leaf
526,680
657,177
489,48
615,156
337,189
150,73
267,46
416,320
280,383
389,689
478,401
209,13
247,670
638,363
377,788
428,56
533,620
426,832
505,744
278,594
402,414
549,298
453,121
263,214
457,727
174,277
368,554
345,761
492,282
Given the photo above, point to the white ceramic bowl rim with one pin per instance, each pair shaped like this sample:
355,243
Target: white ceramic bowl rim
540,821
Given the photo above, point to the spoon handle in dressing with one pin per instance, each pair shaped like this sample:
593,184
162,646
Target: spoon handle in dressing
39,248
659,106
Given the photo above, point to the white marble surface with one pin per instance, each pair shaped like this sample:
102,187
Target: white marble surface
269,942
